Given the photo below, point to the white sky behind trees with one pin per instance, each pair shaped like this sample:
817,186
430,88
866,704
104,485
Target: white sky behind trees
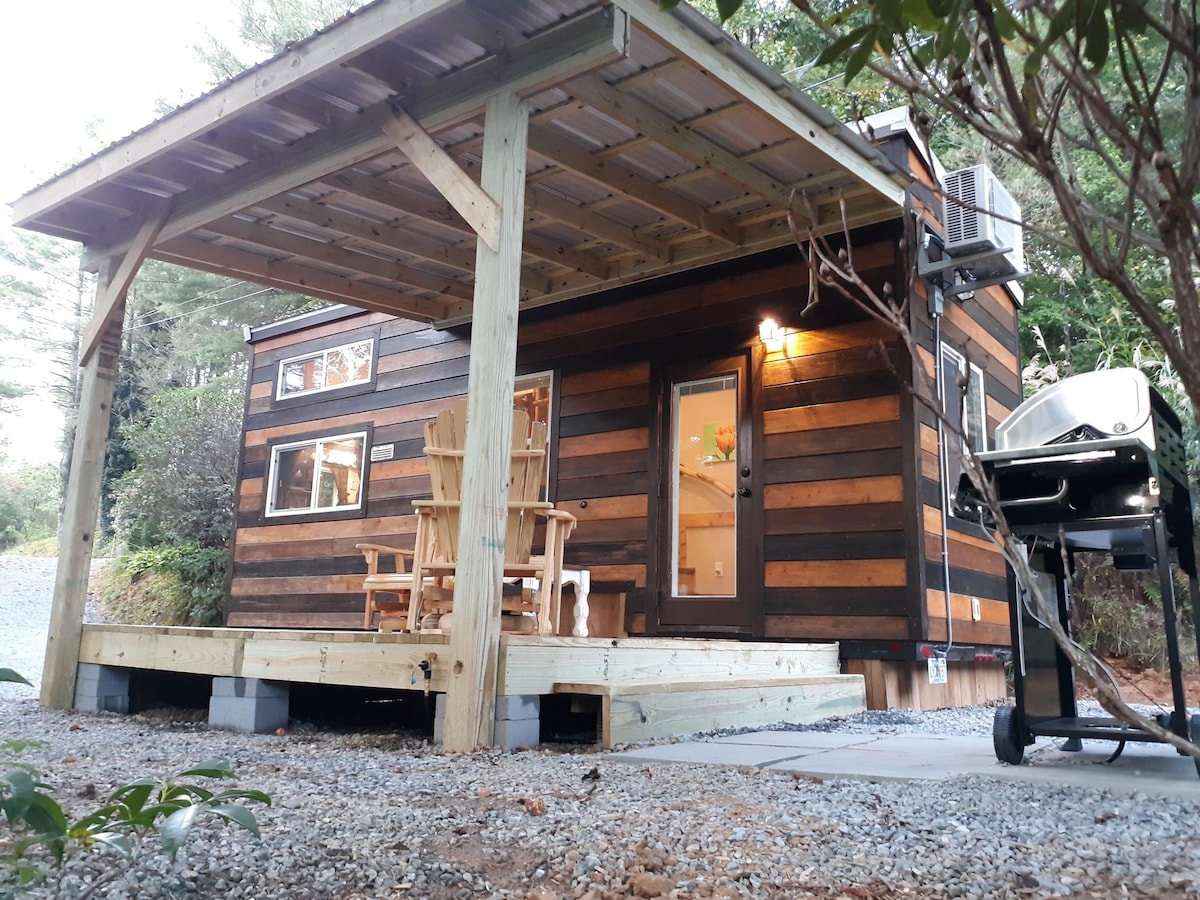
75,76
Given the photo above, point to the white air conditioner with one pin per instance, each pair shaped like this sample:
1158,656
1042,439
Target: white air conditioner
981,215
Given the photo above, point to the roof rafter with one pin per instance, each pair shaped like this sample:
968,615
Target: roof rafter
290,276
332,254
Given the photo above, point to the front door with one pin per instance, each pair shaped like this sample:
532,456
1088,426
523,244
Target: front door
706,567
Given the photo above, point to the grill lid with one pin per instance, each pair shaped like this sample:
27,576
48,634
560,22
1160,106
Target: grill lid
1111,403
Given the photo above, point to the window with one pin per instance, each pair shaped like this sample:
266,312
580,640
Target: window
322,475
532,393
325,370
965,409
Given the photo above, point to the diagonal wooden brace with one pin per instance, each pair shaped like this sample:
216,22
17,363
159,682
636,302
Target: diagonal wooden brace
468,199
110,303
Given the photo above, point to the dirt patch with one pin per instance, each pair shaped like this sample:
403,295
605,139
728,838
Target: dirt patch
1151,686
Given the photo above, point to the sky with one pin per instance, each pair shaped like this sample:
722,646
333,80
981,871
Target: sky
76,75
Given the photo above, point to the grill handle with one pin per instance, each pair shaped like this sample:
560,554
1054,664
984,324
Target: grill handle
1063,487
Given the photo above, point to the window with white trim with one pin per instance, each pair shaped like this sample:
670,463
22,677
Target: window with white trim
325,370
320,475
965,409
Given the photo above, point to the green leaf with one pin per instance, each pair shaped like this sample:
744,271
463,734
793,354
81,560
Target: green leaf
667,5
860,56
919,14
114,840
888,12
726,8
842,45
10,675
243,794
1130,15
175,830
1006,22
213,768
1097,41
46,817
132,797
237,815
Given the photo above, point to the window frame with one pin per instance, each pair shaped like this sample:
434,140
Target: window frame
310,513
969,440
975,396
324,349
537,379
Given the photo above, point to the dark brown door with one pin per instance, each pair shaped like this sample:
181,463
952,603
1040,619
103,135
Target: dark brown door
706,567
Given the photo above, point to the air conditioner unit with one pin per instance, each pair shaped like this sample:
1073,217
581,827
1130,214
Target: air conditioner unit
980,215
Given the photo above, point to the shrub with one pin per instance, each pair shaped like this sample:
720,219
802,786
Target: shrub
177,585
1119,614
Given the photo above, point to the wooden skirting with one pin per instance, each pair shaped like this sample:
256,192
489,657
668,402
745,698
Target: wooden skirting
637,711
892,684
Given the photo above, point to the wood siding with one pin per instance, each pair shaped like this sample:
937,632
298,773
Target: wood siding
833,534
840,476
983,328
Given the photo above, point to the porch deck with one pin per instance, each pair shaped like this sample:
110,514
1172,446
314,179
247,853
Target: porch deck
726,683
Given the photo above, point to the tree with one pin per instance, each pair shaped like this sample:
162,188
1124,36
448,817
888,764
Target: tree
268,27
1100,99
181,486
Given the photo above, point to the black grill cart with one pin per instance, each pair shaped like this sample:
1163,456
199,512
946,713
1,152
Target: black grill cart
1092,464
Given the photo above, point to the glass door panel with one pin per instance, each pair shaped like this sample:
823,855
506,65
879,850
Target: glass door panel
704,419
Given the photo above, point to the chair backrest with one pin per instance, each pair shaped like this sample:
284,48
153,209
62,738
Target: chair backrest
445,446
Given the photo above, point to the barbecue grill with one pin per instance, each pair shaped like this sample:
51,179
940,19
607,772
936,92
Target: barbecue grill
1095,463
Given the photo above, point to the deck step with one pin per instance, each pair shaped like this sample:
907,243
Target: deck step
639,710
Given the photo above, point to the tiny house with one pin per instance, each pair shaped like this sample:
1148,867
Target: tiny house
590,209
728,481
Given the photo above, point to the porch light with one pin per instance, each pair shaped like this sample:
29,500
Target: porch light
771,333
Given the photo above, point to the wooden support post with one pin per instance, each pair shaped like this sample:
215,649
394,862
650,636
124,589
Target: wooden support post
475,638
82,508
100,351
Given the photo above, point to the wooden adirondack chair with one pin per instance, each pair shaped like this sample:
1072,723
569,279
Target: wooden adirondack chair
438,521
387,592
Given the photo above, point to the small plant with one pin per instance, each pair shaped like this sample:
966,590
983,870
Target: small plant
36,829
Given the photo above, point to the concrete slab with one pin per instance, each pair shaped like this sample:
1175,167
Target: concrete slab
798,740
1151,769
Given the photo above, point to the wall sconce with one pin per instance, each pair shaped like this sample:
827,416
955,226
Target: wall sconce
771,333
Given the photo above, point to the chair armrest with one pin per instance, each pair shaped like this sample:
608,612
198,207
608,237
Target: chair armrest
380,548
561,514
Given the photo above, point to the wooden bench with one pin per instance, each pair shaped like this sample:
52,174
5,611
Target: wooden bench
639,710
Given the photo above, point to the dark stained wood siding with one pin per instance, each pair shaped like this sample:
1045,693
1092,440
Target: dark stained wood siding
984,329
833,539
292,573
838,482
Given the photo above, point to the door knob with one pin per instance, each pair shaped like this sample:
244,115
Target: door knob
743,491
745,471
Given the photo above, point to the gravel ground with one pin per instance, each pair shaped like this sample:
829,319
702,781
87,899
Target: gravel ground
379,812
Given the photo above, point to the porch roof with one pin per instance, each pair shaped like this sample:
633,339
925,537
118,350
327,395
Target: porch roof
656,144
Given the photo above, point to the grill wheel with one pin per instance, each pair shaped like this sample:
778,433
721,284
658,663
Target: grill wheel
1005,740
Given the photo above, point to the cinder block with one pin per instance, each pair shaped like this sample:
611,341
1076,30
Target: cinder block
517,722
118,703
98,679
101,688
513,733
248,687
248,705
518,706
